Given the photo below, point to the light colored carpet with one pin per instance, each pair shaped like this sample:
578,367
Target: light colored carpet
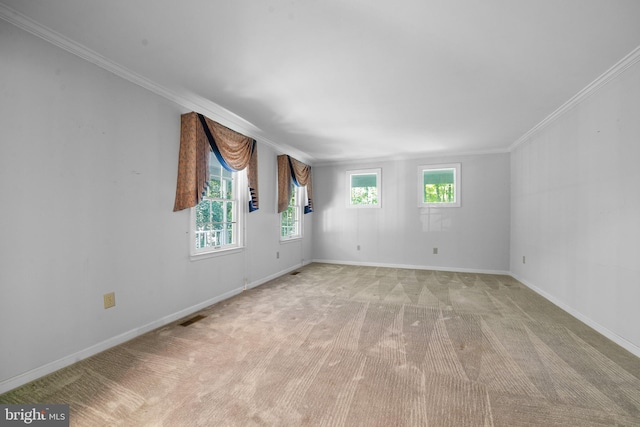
359,346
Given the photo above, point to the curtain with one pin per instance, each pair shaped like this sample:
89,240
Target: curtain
292,170
199,135
193,163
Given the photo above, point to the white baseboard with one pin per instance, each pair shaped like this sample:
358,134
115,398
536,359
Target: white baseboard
622,342
264,280
414,267
49,368
24,378
19,380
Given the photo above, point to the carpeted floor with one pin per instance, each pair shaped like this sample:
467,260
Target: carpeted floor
359,346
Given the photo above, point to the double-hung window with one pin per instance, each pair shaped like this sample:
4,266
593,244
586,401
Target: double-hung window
439,185
216,220
291,218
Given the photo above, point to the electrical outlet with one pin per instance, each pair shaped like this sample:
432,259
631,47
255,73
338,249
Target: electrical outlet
358,247
523,259
277,255
109,300
435,251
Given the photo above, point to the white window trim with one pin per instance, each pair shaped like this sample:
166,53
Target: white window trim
301,196
378,173
285,240
456,184
239,183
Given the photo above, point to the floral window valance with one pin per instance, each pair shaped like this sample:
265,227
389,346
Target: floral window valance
292,170
198,136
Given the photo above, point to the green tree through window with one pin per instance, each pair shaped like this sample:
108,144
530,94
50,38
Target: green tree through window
364,188
216,215
439,186
290,218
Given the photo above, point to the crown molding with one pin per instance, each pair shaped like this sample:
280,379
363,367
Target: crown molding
212,110
189,101
613,72
413,156
216,112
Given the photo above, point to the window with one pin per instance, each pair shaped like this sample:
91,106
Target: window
364,188
216,219
290,227
439,185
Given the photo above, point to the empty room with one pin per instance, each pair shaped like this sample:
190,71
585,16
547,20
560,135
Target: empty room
320,213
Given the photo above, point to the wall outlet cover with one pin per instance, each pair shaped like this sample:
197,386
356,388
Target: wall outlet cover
109,300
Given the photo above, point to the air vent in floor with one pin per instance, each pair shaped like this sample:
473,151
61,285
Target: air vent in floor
295,273
194,319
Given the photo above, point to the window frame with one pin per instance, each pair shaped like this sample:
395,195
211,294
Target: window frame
371,171
457,181
238,182
297,195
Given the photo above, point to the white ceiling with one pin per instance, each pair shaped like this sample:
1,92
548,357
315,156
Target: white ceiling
353,78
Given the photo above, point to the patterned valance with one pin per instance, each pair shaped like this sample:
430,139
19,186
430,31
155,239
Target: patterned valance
292,170
199,135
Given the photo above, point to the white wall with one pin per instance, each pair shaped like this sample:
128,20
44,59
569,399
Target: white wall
576,210
87,180
88,167
473,237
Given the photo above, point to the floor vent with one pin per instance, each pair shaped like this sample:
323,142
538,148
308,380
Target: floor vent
295,273
194,319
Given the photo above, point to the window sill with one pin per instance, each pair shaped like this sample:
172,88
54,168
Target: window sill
290,239
377,206
215,253
439,205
